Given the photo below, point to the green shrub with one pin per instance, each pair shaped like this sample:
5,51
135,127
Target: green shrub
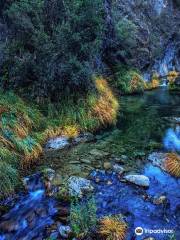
129,80
83,216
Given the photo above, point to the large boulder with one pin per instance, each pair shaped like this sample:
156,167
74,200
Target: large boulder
139,180
79,186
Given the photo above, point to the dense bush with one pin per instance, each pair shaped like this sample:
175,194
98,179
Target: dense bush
52,47
129,80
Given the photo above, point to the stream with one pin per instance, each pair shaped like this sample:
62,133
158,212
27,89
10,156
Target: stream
148,124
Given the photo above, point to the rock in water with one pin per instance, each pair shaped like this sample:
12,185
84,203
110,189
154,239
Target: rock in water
157,159
139,180
118,169
78,186
57,143
64,230
107,165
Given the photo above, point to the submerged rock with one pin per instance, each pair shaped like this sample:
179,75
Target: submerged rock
86,137
48,174
118,169
157,159
64,231
78,186
107,166
139,180
174,120
161,200
98,154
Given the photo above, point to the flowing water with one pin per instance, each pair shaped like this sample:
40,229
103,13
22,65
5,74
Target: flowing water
145,122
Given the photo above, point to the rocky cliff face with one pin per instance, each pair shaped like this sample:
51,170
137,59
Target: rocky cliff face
158,35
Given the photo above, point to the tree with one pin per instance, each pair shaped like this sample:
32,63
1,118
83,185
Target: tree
51,53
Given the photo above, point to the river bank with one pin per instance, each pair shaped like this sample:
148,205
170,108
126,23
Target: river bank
103,161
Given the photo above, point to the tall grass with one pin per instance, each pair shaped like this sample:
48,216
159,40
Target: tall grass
24,129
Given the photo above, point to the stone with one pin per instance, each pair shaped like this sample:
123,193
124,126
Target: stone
86,160
118,169
139,180
57,143
86,137
174,120
78,186
48,174
64,231
149,238
54,235
97,153
107,165
157,159
57,180
161,200
9,226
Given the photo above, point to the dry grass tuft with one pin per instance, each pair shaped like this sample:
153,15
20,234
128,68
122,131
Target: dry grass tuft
172,75
106,106
172,164
111,228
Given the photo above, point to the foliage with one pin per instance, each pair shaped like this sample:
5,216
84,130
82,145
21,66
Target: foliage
154,83
83,216
24,129
172,164
52,47
112,228
129,80
126,31
9,179
172,75
8,156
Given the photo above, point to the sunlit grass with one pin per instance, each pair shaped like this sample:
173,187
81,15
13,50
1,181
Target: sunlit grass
172,75
112,228
154,83
24,129
172,164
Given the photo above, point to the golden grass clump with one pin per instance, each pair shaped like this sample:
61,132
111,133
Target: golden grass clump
172,164
70,131
154,83
30,157
106,106
172,75
136,79
111,228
